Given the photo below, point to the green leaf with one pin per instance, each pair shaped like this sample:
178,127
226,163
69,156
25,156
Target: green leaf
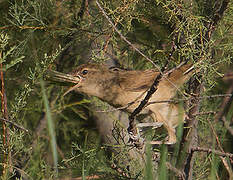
50,126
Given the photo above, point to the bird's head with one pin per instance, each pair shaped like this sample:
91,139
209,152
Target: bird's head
92,79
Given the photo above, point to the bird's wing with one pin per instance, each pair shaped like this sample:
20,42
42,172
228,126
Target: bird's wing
136,81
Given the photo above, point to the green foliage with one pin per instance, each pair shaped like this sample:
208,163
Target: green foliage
51,129
8,54
39,35
162,171
149,175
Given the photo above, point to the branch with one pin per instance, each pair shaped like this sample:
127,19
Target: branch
81,12
212,22
215,134
225,103
6,135
153,88
132,125
218,15
14,124
227,125
124,38
192,98
81,178
185,156
170,101
227,166
207,150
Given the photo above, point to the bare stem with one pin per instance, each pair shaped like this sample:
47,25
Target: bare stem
207,150
14,124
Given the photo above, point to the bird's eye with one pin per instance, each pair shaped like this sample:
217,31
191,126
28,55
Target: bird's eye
84,72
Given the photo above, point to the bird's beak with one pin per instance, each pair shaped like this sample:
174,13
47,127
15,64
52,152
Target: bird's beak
71,88
61,77
64,78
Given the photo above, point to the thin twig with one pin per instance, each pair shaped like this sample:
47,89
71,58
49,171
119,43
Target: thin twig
227,166
170,101
208,150
132,125
191,135
81,178
6,134
187,99
215,134
124,38
81,12
153,88
226,101
219,14
217,139
227,125
14,124
204,113
22,173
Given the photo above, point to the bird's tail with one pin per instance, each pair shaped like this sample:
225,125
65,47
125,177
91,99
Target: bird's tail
176,77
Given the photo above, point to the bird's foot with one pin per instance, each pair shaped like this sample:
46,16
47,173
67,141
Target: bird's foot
136,139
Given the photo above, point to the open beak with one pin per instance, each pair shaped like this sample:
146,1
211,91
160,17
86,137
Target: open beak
71,89
61,77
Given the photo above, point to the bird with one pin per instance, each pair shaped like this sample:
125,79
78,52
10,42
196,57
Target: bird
127,88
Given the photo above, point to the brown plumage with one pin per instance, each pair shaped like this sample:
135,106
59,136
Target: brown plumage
121,87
